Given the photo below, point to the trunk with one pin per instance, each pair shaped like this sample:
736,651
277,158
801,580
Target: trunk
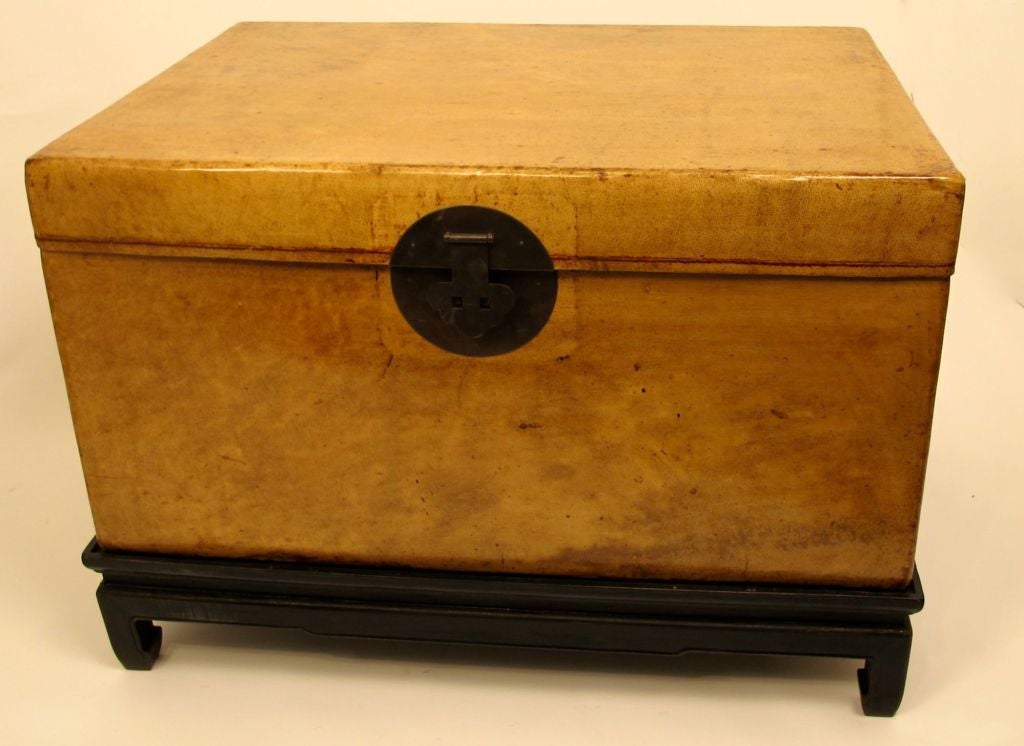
751,232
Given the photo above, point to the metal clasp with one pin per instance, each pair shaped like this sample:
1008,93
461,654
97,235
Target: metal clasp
470,302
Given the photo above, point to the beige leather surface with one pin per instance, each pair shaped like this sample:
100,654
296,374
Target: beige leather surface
242,383
684,149
660,426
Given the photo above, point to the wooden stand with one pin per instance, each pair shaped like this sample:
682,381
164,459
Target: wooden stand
536,611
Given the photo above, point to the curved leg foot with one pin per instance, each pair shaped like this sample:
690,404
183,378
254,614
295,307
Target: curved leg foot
136,641
884,676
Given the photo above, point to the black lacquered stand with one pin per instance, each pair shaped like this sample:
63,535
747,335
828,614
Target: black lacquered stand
548,612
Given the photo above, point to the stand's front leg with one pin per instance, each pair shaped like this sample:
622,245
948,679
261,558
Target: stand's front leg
135,639
884,676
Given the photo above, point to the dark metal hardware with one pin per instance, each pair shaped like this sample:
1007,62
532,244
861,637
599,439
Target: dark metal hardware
469,302
473,280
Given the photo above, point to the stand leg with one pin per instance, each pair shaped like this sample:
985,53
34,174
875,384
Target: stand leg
136,641
884,676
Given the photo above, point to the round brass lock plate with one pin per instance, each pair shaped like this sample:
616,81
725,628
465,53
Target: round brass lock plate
473,280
